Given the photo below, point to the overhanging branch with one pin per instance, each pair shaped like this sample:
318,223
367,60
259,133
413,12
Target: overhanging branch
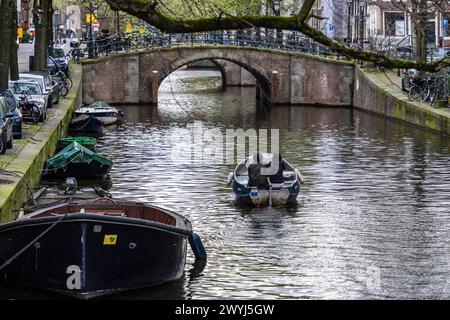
147,10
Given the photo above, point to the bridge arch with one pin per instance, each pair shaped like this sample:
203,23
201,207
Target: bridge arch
157,76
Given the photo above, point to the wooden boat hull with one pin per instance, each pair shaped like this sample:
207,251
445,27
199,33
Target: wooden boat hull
87,255
106,118
80,170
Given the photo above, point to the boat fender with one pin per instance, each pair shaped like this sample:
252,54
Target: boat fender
300,177
230,178
197,246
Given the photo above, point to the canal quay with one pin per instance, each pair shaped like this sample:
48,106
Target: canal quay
372,218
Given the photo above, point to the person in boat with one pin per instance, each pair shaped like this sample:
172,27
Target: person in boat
278,177
255,177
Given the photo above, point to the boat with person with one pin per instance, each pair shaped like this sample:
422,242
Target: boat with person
92,248
102,111
77,161
252,186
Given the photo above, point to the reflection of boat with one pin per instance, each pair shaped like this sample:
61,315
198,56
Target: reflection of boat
79,162
86,124
87,249
278,193
102,111
87,142
68,192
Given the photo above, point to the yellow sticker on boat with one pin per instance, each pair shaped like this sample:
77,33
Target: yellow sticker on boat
110,239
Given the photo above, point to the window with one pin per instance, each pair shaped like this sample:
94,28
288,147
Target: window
394,24
445,24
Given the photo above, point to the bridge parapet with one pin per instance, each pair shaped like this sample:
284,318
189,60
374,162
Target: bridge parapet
281,77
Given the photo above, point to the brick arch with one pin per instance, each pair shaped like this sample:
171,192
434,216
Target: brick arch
180,57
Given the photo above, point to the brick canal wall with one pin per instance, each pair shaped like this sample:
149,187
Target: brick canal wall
285,77
372,93
30,159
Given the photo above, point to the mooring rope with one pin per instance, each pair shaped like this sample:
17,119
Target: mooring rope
15,256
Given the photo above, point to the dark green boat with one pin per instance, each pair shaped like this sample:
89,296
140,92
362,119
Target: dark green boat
87,142
79,162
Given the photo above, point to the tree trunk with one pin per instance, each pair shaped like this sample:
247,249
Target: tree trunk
13,58
8,10
42,40
419,24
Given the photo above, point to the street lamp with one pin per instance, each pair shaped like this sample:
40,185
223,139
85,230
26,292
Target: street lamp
277,11
349,28
362,16
92,10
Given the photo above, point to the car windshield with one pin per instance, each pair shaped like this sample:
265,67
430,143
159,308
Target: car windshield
58,53
26,88
9,98
48,81
39,81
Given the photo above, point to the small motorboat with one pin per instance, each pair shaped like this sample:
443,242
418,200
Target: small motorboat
102,111
87,142
86,124
67,192
269,193
99,247
77,161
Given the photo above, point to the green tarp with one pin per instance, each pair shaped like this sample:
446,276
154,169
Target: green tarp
84,141
76,153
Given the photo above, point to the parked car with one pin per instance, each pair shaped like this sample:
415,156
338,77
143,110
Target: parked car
405,53
435,54
50,91
52,66
60,59
49,84
16,113
6,127
32,92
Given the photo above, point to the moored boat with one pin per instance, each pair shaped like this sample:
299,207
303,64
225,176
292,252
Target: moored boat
87,249
100,110
86,124
79,162
268,190
87,142
66,192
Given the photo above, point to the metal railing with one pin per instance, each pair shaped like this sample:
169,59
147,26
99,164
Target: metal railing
120,43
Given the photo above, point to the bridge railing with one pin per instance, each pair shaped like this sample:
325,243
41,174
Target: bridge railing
126,42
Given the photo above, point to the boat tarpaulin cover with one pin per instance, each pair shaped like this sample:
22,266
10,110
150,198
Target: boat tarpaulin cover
75,152
84,141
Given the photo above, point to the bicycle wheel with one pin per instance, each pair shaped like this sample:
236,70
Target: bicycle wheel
425,94
434,97
68,82
415,93
63,91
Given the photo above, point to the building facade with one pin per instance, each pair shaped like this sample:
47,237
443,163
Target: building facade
392,21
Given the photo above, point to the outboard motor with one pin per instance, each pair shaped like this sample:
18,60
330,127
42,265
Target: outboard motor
70,185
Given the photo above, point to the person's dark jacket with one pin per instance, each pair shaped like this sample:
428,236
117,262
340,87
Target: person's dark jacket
255,178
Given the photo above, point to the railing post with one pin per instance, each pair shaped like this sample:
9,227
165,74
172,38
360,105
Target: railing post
154,78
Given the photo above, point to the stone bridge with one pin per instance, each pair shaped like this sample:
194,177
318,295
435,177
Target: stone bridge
281,77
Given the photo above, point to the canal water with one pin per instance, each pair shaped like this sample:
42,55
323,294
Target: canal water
372,219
